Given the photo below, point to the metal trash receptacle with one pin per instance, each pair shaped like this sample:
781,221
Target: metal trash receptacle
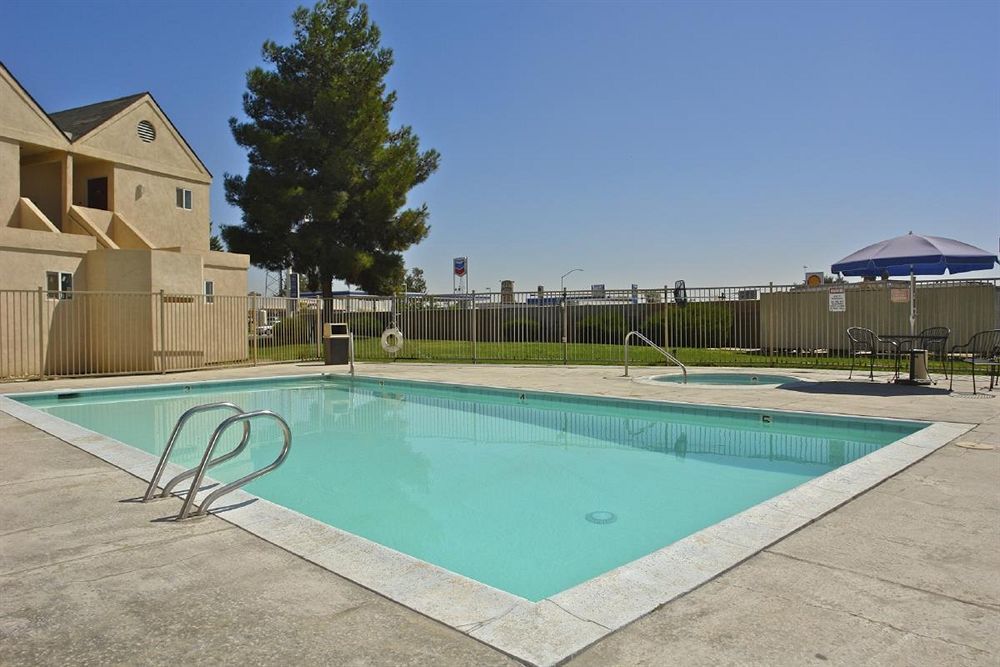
336,344
918,367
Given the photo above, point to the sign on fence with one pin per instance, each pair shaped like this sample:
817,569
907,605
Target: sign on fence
838,300
814,278
899,295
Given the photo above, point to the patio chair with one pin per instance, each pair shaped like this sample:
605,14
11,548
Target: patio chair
864,342
983,349
934,340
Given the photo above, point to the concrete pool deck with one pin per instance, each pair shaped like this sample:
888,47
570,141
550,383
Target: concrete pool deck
906,573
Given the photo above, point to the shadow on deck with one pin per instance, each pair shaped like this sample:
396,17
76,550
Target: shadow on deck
857,388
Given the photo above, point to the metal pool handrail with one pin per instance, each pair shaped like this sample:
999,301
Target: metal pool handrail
656,347
206,461
350,350
172,440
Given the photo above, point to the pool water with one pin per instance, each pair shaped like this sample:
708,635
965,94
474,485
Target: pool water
747,379
528,492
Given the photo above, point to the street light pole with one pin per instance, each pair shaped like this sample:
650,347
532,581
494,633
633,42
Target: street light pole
562,279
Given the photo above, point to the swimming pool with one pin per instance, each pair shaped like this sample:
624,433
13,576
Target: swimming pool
527,492
732,379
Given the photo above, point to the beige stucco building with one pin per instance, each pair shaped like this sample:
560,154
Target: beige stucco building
102,200
110,194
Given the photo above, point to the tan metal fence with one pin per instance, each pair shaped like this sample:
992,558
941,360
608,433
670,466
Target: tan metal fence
48,334
757,325
51,334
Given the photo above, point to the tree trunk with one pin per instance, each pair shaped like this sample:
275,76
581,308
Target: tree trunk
326,285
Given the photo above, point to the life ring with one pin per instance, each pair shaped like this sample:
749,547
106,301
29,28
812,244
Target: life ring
392,340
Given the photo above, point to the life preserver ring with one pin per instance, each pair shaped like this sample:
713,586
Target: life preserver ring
392,340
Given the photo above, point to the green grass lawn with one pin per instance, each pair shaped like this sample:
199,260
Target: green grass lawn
370,349
294,352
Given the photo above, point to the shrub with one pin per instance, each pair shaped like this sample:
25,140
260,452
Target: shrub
368,324
605,326
695,325
652,328
522,330
297,328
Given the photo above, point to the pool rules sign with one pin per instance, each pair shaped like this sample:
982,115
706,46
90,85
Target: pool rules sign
838,300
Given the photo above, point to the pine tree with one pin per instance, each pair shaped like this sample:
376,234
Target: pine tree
328,177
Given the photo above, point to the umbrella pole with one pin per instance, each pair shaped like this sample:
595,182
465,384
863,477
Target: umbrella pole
913,301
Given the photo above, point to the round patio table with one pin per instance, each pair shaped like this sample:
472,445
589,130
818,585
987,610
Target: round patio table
905,343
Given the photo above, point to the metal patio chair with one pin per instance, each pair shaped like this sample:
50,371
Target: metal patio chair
865,342
934,340
983,349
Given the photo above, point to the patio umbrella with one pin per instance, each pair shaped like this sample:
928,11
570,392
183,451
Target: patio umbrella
915,254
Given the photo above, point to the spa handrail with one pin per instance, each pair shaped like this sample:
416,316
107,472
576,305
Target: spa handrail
656,347
172,440
206,461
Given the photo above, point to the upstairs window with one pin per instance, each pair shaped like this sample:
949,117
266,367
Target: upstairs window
209,291
59,284
184,198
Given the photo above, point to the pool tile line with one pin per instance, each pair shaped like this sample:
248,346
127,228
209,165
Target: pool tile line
680,407
802,417
554,629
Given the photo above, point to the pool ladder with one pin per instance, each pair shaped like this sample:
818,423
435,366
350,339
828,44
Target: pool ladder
656,347
198,472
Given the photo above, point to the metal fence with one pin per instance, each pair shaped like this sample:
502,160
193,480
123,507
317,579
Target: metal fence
49,334
53,334
757,325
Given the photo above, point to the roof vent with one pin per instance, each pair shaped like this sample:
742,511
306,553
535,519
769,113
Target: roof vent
146,131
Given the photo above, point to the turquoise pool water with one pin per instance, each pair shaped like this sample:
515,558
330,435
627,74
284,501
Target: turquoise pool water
531,493
748,379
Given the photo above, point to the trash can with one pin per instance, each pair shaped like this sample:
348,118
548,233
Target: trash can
918,367
336,344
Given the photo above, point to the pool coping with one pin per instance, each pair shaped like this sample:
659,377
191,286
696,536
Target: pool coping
560,626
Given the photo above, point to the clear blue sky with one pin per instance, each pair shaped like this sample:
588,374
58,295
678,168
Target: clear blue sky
722,143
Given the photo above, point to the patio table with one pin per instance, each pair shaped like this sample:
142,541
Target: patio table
905,343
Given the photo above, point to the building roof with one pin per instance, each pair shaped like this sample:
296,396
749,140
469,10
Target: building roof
76,123
79,121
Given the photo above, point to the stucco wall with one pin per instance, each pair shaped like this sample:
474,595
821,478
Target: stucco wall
96,219
42,184
176,273
21,120
26,254
167,153
228,271
25,316
119,271
149,203
10,182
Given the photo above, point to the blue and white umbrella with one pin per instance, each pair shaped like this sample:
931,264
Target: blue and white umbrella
913,255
